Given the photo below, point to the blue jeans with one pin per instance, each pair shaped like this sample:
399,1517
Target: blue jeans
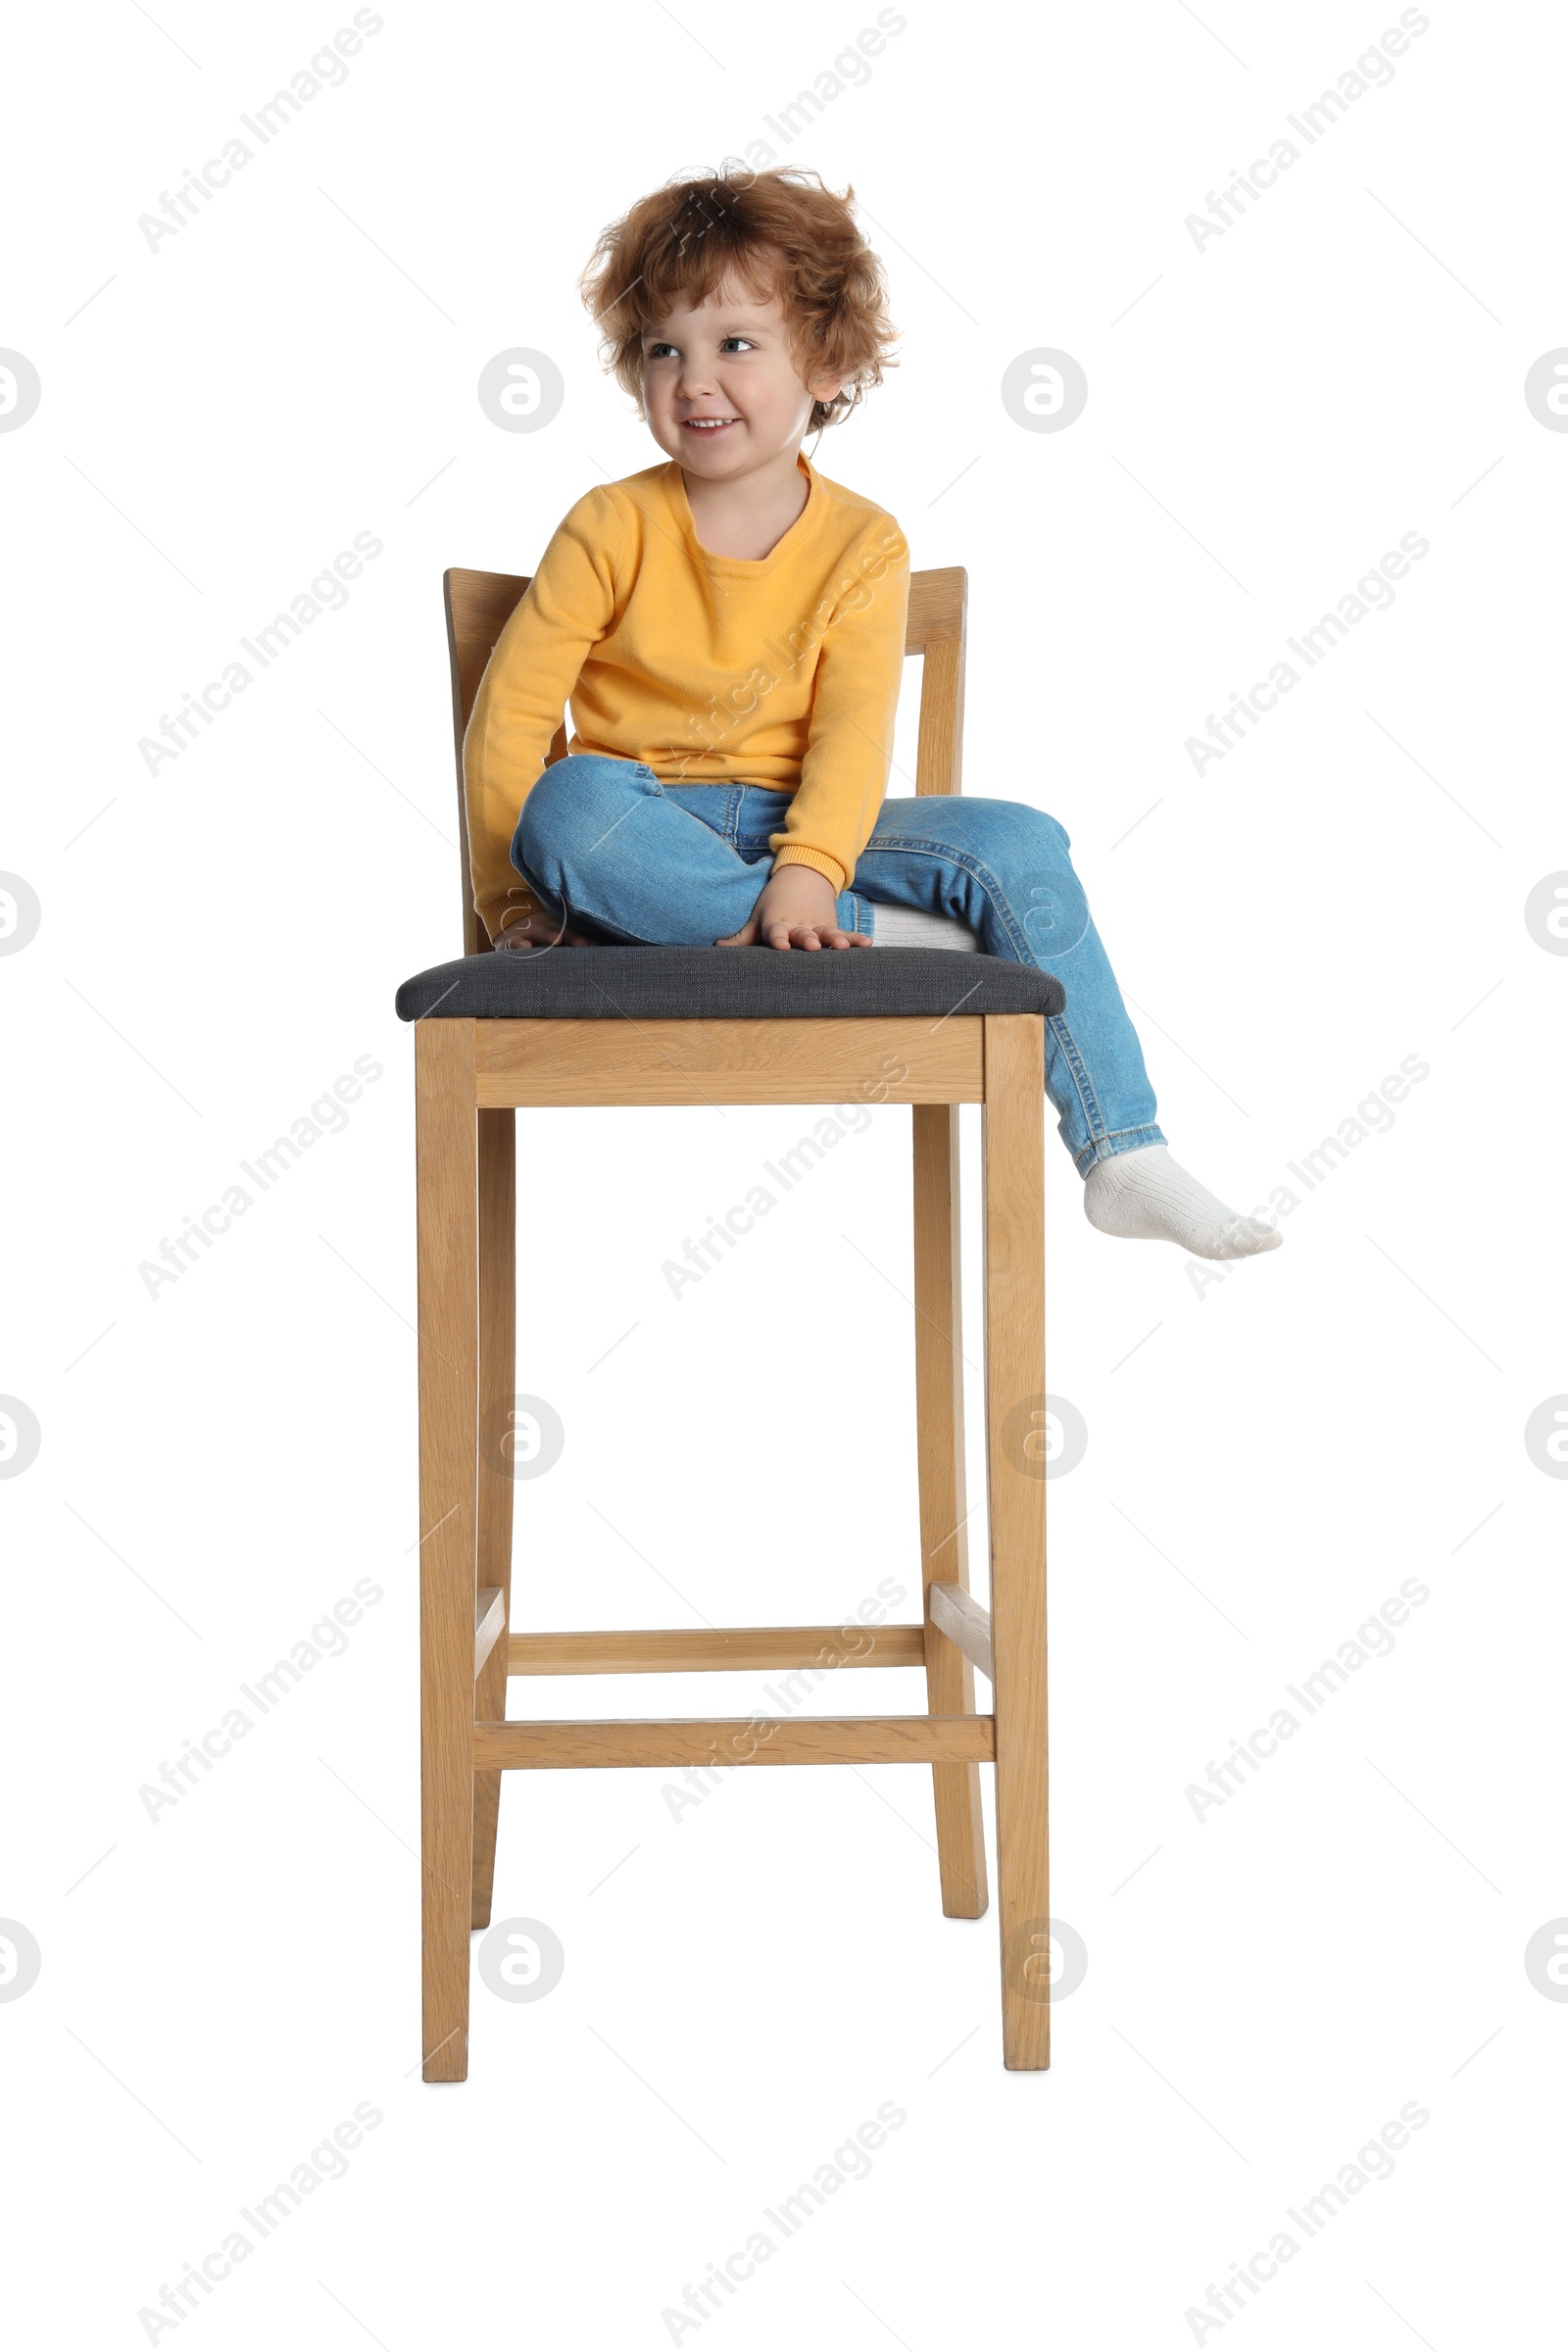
634,861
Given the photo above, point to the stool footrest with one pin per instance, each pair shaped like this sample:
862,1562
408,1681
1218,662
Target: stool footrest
741,1739
721,1648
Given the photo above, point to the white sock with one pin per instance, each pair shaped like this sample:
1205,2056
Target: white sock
912,927
1147,1197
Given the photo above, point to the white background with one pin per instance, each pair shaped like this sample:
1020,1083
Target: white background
1266,1985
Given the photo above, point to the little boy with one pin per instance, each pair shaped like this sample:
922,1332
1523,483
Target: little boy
728,628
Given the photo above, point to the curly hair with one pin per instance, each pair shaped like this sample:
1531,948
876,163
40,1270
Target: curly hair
784,233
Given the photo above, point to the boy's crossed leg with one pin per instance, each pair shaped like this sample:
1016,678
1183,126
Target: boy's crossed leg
611,853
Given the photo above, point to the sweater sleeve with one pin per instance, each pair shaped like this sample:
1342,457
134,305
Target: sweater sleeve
843,772
566,610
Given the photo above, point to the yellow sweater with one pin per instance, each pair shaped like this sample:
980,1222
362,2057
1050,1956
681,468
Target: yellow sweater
710,670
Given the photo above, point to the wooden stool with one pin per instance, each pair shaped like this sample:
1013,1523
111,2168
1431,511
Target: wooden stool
735,1025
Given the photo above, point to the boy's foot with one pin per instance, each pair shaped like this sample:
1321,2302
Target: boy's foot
912,927
1147,1197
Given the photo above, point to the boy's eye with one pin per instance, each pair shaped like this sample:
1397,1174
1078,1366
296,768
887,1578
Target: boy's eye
657,350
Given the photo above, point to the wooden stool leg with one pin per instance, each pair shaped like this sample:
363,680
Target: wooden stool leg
944,1532
447,1153
498,1374
1015,1379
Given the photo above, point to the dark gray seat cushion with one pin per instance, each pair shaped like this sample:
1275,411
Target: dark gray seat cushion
693,984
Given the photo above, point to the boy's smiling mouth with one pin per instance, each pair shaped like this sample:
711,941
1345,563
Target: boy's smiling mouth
706,425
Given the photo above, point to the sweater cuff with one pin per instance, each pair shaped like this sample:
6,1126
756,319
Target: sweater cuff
518,910
820,862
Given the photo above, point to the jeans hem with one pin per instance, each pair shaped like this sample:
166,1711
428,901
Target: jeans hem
1108,1146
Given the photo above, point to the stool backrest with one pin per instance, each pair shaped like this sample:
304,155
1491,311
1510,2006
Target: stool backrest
479,604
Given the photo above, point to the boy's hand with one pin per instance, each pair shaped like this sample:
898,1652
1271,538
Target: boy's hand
797,909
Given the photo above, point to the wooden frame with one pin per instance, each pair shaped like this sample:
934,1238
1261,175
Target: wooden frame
731,1650
800,1060
469,1077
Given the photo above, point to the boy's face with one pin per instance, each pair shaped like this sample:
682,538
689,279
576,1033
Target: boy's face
729,364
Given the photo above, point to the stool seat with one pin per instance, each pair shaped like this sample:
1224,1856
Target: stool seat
675,984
